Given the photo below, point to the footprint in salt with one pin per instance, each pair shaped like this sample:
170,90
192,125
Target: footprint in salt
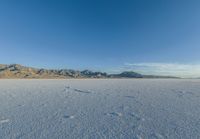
137,117
118,114
2,121
82,91
66,89
69,116
157,136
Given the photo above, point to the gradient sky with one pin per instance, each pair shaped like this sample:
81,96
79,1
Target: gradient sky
107,35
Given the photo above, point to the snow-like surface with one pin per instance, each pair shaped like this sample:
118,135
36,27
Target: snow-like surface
104,108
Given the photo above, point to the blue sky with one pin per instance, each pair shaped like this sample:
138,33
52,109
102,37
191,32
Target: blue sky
106,35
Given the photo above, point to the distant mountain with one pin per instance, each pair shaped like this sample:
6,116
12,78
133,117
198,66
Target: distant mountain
127,74
19,71
158,76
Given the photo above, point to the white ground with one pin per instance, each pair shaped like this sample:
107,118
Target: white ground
126,109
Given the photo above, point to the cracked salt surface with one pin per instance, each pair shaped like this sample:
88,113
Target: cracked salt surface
115,108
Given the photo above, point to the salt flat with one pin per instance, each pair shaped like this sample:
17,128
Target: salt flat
100,108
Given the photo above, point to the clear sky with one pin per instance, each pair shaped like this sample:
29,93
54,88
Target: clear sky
106,35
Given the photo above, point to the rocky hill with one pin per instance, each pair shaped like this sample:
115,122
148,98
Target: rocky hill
19,71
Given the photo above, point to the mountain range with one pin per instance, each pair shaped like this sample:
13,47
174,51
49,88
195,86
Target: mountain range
21,72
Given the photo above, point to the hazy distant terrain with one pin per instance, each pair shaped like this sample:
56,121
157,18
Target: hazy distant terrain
19,71
96,109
